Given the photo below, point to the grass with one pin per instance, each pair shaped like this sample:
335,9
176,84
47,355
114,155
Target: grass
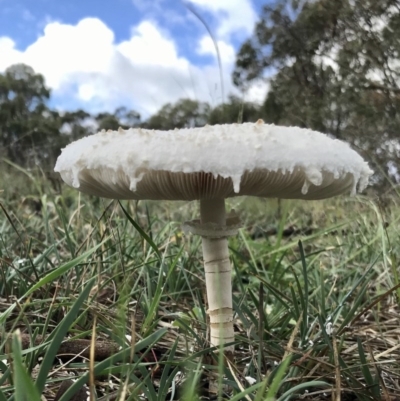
107,298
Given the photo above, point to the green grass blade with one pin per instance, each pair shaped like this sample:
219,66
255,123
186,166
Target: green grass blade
5,375
369,380
62,330
25,390
62,269
64,223
166,378
351,314
305,292
303,386
296,311
155,301
325,335
141,232
275,380
352,381
190,386
50,277
120,356
248,390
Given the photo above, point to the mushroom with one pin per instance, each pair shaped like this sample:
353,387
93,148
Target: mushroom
211,164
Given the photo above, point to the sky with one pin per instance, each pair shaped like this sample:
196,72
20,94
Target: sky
101,54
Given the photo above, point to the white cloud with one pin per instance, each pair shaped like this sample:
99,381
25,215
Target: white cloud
65,50
257,91
232,15
9,54
149,45
169,12
86,91
84,64
226,50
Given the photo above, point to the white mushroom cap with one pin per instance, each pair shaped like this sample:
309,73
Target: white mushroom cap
218,161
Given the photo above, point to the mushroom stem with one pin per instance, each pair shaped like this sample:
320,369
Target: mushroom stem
218,273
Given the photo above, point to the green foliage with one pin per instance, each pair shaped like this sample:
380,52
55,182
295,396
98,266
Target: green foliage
332,67
122,117
234,111
188,113
28,129
73,124
184,113
31,133
24,388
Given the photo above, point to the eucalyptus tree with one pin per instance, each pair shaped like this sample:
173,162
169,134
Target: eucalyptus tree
29,130
183,113
235,110
333,66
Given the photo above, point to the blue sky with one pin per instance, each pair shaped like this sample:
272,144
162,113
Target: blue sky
99,55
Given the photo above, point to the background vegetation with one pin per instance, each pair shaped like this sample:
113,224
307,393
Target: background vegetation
314,319
331,65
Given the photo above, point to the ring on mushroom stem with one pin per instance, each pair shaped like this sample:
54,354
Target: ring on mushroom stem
211,164
214,229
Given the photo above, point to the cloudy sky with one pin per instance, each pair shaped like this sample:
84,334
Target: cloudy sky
99,54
